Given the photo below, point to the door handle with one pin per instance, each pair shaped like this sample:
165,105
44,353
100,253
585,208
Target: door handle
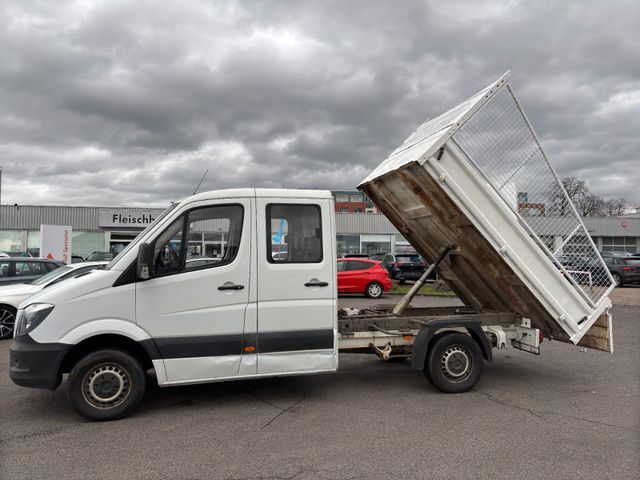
316,284
230,287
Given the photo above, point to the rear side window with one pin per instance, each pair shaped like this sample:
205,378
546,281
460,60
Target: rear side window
4,269
294,233
357,265
408,258
30,269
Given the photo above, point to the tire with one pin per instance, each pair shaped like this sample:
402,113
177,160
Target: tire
617,279
124,383
7,321
454,363
374,290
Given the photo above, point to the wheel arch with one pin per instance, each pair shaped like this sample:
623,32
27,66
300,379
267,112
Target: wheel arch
428,336
144,351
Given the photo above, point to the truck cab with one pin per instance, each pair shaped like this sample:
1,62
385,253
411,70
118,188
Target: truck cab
199,297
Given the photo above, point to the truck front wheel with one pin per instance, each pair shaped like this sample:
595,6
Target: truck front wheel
106,385
454,363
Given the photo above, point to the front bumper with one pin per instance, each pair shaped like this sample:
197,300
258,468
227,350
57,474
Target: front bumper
36,364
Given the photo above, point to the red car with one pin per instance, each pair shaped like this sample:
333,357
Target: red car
362,276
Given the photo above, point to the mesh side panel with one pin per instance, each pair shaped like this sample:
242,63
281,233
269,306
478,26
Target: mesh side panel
439,123
500,142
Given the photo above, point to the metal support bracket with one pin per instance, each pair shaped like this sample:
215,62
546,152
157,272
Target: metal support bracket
383,353
406,300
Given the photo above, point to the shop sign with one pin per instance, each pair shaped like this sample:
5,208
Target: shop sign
126,218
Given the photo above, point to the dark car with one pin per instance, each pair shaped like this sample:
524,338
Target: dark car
585,270
624,269
360,275
100,257
77,258
25,270
353,255
404,266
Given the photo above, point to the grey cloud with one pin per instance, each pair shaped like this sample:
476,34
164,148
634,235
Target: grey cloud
128,102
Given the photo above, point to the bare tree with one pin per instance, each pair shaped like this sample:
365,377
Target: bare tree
575,188
590,205
576,191
614,207
587,204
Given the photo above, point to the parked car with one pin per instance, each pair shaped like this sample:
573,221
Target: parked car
100,257
24,270
77,258
362,276
11,296
624,269
353,255
15,254
584,269
404,266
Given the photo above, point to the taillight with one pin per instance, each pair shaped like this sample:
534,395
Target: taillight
626,269
540,336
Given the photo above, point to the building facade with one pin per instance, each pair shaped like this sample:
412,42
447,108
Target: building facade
111,229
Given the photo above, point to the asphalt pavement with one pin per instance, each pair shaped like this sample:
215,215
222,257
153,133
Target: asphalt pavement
567,413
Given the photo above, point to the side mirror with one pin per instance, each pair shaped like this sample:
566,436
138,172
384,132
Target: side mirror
145,260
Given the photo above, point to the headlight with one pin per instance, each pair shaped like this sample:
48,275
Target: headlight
32,316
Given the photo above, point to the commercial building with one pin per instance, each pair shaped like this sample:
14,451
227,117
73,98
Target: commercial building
111,229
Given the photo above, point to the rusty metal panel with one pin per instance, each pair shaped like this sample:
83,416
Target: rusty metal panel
467,184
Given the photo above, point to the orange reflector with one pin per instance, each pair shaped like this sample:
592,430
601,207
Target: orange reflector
407,337
249,349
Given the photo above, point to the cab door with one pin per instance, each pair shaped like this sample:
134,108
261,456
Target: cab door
194,304
297,330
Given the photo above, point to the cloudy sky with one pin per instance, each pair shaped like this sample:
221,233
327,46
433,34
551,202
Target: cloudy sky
127,103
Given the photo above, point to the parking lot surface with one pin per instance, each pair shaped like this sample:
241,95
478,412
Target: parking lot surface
567,413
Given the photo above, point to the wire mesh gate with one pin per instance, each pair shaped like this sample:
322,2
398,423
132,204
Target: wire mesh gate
500,142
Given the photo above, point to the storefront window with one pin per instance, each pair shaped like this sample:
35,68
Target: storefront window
376,244
348,244
619,244
10,241
82,242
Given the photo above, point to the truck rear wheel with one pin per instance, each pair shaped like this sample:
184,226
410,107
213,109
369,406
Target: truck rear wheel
106,385
454,363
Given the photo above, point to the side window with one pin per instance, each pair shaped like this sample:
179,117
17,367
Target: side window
357,265
342,266
29,269
4,269
213,235
166,253
212,238
294,233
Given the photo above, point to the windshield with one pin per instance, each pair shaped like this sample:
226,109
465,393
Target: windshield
53,274
134,242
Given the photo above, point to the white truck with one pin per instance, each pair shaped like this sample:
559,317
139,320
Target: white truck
199,296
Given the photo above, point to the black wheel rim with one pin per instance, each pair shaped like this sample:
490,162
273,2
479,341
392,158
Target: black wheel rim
7,322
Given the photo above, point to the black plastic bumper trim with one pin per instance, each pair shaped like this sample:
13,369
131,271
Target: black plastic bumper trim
34,364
